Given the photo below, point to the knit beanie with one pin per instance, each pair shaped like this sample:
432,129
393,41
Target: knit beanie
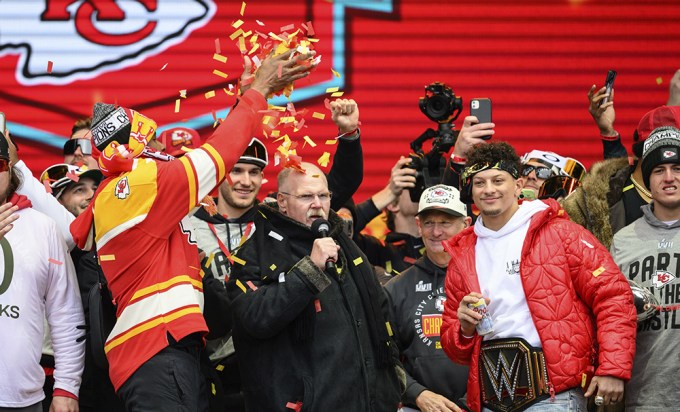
661,147
661,116
109,124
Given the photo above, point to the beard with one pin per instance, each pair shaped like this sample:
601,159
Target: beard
238,203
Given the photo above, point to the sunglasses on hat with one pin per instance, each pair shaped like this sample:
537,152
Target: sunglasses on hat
55,173
85,145
542,172
558,186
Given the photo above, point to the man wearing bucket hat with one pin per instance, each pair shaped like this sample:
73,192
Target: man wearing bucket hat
416,300
645,252
552,292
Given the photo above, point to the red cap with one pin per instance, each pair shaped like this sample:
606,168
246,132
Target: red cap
661,116
178,137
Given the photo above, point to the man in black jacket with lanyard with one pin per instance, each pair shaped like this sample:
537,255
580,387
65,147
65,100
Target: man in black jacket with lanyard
416,296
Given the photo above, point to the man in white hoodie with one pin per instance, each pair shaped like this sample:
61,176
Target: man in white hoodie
553,293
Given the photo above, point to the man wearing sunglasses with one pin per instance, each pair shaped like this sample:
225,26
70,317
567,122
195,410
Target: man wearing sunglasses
558,303
38,284
78,152
538,166
309,314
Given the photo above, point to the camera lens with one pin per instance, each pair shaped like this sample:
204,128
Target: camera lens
438,107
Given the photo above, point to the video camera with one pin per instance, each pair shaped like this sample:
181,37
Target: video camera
441,105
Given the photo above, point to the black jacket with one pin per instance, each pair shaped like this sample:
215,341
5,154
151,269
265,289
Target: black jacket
417,299
307,337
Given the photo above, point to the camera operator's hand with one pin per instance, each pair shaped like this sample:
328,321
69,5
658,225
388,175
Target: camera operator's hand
470,134
674,92
604,115
345,114
402,177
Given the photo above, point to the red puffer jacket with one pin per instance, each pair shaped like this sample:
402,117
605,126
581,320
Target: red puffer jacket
574,291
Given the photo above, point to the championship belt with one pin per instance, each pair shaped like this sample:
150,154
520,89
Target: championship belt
513,375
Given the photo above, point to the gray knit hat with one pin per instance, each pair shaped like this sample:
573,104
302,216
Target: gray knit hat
661,147
109,123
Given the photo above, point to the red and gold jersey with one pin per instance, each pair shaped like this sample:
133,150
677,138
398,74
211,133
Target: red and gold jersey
149,259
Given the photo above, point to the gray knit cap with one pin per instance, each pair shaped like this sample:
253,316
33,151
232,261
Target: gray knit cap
661,147
109,123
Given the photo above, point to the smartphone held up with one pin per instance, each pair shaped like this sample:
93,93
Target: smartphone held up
481,109
609,85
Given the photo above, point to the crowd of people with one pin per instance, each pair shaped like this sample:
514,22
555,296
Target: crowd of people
148,271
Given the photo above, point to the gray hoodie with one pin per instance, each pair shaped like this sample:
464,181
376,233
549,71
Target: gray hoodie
648,252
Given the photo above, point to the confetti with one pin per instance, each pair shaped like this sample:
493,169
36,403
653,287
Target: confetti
220,73
389,329
164,66
358,261
297,406
238,23
282,277
337,94
597,272
55,261
332,89
177,106
218,48
327,104
107,258
49,66
324,159
275,236
210,259
72,176
659,80
236,34
336,74
251,285
318,115
288,27
48,188
272,266
210,94
317,305
310,29
243,8
183,93
259,23
241,285
310,141
242,44
219,368
220,58
331,142
227,91
234,259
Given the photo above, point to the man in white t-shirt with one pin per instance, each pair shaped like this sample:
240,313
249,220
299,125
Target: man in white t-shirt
553,293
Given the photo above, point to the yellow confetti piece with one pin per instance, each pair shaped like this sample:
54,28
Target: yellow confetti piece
266,119
584,379
219,367
243,8
275,133
242,44
228,92
177,106
107,258
388,266
238,23
337,94
220,73
210,94
275,37
255,47
214,391
332,89
220,58
236,34
324,159
210,259
183,93
659,80
310,141
318,115
597,272
313,40
241,285
238,260
336,74
272,267
358,261
389,328
331,142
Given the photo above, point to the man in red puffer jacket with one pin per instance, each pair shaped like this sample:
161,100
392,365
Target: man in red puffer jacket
562,312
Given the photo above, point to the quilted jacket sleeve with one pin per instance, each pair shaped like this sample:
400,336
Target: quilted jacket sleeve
601,285
457,347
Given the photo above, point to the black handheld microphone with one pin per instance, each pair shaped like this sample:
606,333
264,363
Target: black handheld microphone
321,227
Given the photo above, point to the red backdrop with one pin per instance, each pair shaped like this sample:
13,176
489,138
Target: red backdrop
535,59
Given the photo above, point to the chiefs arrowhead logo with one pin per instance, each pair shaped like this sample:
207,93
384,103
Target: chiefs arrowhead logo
103,35
661,278
122,188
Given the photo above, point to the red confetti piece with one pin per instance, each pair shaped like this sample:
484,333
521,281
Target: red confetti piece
218,48
409,260
55,261
49,66
73,177
251,286
48,188
310,29
288,27
317,305
327,103
297,406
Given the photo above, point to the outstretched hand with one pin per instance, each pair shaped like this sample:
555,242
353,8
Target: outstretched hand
603,115
276,72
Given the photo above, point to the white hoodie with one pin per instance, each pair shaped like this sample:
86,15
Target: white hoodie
498,256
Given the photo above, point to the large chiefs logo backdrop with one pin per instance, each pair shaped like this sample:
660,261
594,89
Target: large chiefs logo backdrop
536,60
